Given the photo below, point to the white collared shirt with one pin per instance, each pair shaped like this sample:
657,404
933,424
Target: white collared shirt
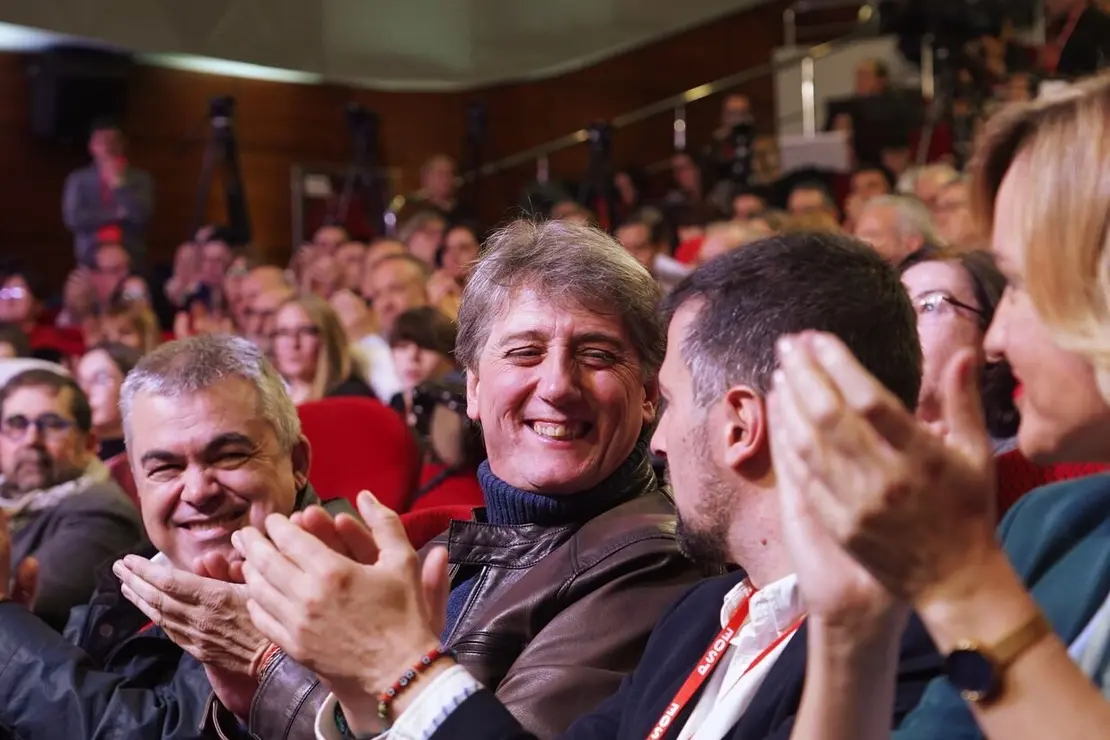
772,612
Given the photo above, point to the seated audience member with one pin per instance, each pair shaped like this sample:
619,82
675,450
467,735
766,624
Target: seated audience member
809,197
259,315
1040,172
438,190
870,181
727,236
185,275
100,374
349,259
21,304
748,205
329,237
896,226
955,295
572,212
215,444
60,505
259,279
423,345
459,251
111,266
812,222
13,342
312,353
642,238
955,224
422,233
724,320
930,181
135,328
396,284
370,352
561,577
378,250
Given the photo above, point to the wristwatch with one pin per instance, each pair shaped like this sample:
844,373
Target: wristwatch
976,670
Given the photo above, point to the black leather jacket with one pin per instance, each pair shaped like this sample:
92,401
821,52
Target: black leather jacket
110,677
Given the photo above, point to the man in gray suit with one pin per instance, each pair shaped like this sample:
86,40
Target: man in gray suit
108,201
65,513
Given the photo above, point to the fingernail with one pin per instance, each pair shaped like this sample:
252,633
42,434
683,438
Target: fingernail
785,345
370,496
129,560
117,567
235,540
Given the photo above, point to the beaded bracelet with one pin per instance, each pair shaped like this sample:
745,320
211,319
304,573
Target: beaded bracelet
385,699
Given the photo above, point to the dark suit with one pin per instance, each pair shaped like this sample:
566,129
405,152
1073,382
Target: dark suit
677,644
1058,539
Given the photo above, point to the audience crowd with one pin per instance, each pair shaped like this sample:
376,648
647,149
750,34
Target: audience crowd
805,455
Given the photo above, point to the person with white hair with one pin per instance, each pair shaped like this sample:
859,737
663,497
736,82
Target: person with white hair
896,226
166,649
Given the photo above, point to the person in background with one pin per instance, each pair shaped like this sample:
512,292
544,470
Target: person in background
133,327
370,351
329,237
108,201
185,275
311,351
13,342
955,295
643,238
236,276
100,374
748,204
870,181
21,303
423,346
630,184
929,181
689,187
422,234
350,258
396,284
60,504
955,225
729,235
215,259
807,197
896,226
264,289
459,251
438,191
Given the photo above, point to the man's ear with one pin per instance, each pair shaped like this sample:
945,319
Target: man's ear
651,400
91,442
472,409
302,461
745,426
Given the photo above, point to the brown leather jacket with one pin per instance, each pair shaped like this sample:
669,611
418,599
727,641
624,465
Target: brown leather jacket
557,617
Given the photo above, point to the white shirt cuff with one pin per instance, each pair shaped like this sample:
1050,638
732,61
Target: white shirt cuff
423,717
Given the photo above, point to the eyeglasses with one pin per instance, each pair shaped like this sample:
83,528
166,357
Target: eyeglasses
297,333
48,425
938,302
13,293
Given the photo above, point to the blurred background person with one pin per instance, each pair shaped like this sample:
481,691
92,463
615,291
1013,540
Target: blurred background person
311,352
100,373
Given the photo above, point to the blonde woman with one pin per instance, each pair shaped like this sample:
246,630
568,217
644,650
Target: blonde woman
870,488
312,353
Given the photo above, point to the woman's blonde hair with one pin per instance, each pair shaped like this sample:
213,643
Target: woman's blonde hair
333,360
1064,220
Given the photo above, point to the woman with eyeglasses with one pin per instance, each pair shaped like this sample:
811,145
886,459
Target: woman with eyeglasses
955,295
311,351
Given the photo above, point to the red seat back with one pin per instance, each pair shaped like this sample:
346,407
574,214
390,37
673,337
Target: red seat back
1017,476
458,489
359,443
120,469
424,524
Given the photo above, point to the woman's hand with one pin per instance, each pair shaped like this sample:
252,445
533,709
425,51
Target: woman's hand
914,509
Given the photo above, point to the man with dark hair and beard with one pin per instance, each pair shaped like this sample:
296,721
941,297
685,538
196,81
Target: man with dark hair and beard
728,660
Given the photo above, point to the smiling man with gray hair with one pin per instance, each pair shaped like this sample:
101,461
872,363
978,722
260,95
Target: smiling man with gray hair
168,650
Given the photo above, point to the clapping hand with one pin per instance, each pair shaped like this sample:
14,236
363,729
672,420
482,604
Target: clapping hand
350,602
913,508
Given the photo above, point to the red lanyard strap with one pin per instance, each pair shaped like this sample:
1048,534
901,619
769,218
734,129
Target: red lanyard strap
709,663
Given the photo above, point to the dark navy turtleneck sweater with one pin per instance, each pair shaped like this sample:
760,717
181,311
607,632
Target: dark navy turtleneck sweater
509,505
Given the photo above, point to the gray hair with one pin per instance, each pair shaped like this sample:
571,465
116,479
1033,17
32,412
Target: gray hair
569,265
914,218
196,364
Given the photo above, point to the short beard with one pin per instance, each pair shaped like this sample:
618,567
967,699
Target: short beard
706,546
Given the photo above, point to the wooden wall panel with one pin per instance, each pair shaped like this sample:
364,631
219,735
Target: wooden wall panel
280,124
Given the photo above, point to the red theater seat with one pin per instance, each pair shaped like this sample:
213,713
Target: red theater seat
359,443
1018,476
424,524
458,489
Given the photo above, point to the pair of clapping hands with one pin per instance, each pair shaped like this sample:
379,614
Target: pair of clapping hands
351,601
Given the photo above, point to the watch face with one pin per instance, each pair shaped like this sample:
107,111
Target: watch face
972,673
